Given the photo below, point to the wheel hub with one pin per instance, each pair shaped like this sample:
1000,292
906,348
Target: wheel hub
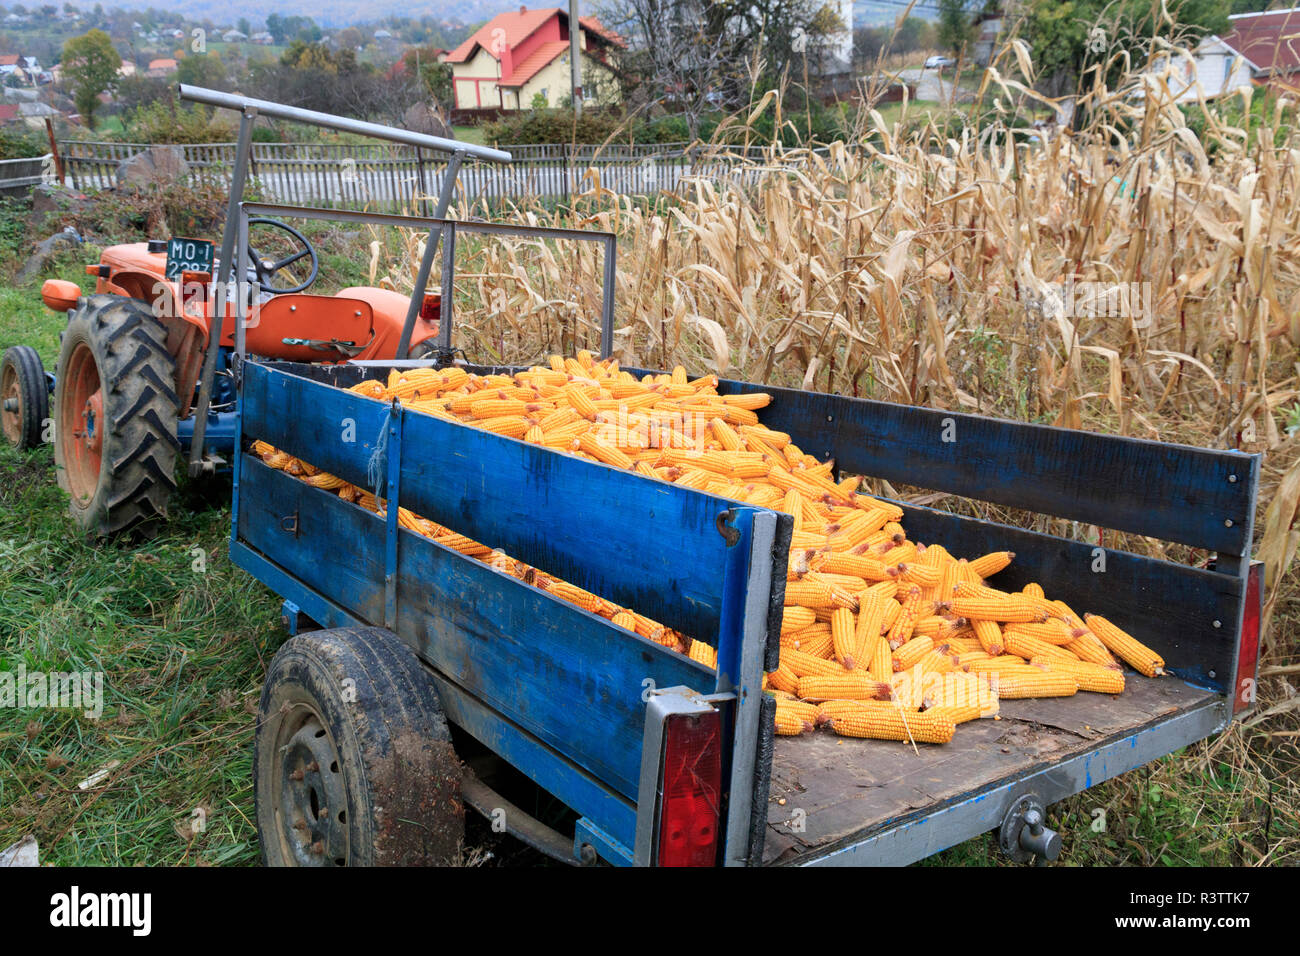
13,407
92,417
313,805
81,423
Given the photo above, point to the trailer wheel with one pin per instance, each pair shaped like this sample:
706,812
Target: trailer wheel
115,440
25,397
353,763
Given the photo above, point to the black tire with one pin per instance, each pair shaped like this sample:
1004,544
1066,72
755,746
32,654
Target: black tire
24,397
137,436
349,720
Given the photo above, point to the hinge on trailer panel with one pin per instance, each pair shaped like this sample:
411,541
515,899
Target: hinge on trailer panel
289,523
723,523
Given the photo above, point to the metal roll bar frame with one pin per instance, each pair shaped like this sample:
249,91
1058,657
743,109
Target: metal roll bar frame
235,228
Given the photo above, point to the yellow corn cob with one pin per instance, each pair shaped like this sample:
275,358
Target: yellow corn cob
1027,646
843,636
534,435
796,618
704,654
886,722
859,566
936,661
990,564
582,403
1032,682
882,661
1053,631
784,679
988,605
1033,590
1091,677
1132,651
604,453
900,630
908,654
809,665
816,641
812,592
515,427
1087,648
790,722
857,686
576,595
625,619
871,615
1004,662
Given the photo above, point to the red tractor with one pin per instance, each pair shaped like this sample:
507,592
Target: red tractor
144,369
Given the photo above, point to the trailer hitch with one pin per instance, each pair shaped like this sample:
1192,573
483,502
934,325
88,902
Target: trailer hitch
1023,835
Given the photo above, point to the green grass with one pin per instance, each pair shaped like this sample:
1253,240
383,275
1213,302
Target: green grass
181,636
469,134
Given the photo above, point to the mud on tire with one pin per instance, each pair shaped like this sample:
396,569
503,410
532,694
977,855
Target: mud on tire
115,442
353,763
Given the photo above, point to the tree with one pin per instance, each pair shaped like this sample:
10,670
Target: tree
1073,40
202,69
244,27
955,26
90,64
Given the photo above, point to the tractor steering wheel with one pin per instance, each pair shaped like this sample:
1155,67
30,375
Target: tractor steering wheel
267,267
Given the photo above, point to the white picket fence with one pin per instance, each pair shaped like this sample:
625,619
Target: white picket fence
392,177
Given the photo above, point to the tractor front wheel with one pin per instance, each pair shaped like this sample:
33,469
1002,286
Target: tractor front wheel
25,397
115,440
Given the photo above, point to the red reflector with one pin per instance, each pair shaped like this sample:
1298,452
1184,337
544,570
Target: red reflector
1248,656
430,308
692,785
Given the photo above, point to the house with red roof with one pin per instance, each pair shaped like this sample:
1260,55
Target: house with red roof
1261,49
516,56
162,66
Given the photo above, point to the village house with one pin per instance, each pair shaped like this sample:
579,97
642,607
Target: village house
516,56
1259,50
163,66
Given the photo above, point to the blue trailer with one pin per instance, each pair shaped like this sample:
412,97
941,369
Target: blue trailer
431,683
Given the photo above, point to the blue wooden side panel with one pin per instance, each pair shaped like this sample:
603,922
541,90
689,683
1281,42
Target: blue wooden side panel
643,544
570,678
1171,492
1171,607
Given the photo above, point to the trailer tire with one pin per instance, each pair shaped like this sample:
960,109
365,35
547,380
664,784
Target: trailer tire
353,763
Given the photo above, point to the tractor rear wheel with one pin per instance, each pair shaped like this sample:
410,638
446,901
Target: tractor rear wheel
115,440
24,395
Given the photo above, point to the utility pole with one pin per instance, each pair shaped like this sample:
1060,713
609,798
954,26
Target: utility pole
575,58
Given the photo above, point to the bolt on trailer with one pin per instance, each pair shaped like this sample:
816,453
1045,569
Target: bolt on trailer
419,682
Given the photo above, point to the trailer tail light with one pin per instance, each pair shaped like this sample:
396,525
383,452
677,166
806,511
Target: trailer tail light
1248,656
689,815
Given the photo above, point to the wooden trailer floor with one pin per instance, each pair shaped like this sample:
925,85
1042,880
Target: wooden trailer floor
848,787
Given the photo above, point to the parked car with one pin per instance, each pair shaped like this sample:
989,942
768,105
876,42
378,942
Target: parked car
939,62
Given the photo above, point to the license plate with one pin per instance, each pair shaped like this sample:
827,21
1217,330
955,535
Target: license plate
188,255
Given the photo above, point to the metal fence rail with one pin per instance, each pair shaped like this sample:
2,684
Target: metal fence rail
390,176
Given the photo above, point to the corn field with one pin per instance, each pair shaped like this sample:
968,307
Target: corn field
973,270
